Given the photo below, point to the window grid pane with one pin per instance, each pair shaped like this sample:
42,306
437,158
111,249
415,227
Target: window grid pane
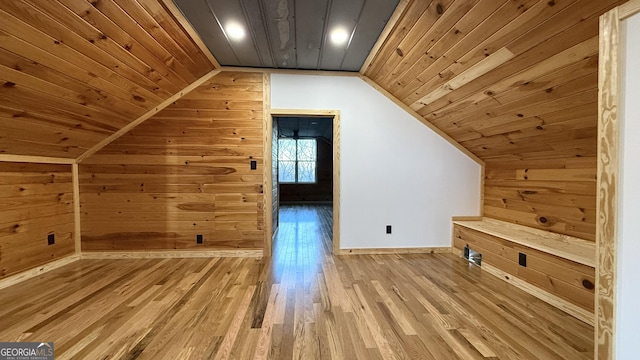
287,149
307,150
306,171
287,171
297,160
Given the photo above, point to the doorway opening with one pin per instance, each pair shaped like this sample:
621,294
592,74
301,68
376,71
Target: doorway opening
304,175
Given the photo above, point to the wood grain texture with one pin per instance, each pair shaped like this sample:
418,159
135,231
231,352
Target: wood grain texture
37,271
267,170
184,172
608,177
567,247
551,273
174,254
390,26
557,195
144,117
77,226
36,200
75,72
302,303
335,233
514,83
388,251
575,311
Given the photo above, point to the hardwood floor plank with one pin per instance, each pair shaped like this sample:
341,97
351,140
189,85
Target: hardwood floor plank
302,303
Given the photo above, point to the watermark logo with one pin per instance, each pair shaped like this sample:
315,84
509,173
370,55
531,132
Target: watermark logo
26,351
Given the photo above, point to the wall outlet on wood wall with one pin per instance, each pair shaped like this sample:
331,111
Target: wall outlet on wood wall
199,239
51,239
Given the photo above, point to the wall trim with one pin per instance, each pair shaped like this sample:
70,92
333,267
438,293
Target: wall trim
77,229
36,159
391,251
391,24
99,146
186,25
290,71
170,254
38,270
466,218
267,173
609,88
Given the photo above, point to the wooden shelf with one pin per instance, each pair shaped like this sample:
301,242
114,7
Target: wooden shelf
564,246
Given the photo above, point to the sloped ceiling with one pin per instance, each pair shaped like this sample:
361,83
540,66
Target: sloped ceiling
73,72
507,79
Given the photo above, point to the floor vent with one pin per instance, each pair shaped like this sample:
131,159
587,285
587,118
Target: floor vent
473,256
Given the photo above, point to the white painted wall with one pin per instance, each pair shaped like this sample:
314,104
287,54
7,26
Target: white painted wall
627,310
394,170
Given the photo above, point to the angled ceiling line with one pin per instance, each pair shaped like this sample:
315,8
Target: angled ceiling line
323,42
392,22
147,115
191,31
224,31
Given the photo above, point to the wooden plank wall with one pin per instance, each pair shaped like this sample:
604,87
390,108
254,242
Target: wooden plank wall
567,279
35,200
322,190
558,195
73,72
185,171
515,83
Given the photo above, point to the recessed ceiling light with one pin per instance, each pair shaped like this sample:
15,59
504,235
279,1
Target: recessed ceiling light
339,36
235,31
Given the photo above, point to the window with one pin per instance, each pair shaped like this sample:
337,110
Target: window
297,160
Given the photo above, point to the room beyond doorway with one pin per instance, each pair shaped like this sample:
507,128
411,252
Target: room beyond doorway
305,159
307,169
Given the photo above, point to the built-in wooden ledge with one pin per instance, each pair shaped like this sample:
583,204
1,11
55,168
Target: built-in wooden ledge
556,268
564,246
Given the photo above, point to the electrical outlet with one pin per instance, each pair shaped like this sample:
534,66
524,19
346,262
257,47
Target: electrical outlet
522,259
254,165
199,239
51,239
388,229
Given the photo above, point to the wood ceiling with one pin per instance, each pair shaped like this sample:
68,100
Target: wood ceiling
508,80
73,72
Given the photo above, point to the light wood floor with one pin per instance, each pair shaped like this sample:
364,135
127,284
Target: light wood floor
303,303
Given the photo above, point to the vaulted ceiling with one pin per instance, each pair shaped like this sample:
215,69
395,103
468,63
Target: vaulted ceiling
507,79
73,72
